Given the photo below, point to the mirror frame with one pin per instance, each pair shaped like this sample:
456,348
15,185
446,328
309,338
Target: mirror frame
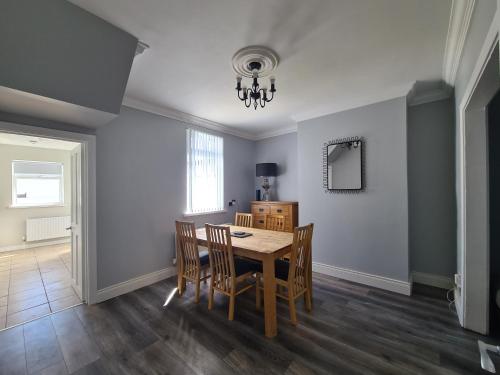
325,164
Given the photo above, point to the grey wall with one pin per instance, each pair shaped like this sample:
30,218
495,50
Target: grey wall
282,150
366,232
42,123
431,186
141,190
58,50
480,23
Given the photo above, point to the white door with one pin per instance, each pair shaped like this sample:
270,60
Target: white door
76,218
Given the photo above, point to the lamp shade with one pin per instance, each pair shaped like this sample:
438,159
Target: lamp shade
266,170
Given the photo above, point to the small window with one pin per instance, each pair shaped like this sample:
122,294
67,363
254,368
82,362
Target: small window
205,172
37,183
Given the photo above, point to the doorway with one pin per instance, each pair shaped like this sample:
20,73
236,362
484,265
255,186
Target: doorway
494,211
40,240
82,262
472,295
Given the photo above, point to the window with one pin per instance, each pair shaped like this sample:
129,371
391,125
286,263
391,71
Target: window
205,172
37,183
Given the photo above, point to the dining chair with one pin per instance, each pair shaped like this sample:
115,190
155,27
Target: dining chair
243,220
226,270
275,222
293,274
191,262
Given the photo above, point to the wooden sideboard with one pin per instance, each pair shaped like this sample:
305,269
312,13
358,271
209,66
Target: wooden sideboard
290,210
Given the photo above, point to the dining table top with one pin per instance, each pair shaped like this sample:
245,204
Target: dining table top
261,240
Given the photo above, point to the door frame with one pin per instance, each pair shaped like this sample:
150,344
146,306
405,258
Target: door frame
88,191
472,302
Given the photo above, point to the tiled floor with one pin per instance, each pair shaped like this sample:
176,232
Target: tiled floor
34,282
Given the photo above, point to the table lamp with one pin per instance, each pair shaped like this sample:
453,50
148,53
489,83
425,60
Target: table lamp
266,170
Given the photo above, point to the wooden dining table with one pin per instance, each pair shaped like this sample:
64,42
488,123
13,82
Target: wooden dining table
265,246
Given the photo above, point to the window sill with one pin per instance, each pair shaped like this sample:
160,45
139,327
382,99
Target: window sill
39,206
187,214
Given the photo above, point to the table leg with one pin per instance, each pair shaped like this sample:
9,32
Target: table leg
269,296
181,282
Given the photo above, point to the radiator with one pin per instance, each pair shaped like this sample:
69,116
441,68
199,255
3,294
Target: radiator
44,228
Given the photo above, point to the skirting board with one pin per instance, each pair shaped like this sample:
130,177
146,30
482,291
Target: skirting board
437,281
34,244
135,283
397,286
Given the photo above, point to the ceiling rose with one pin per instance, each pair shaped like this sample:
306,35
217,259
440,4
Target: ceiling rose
265,56
255,62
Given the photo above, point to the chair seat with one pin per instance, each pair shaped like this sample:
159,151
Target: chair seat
281,268
242,266
204,258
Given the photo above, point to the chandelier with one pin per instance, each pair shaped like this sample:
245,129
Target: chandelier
255,62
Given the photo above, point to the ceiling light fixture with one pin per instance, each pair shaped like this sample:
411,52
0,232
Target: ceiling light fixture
255,62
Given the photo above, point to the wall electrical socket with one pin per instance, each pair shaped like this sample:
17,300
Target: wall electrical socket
232,203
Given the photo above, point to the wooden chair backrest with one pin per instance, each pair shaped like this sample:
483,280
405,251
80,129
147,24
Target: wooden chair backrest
220,251
243,220
275,222
187,246
300,257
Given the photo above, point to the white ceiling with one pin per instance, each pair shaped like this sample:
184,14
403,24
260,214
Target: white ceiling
29,141
335,54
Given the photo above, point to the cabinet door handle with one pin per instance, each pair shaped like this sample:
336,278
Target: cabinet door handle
279,210
261,221
261,210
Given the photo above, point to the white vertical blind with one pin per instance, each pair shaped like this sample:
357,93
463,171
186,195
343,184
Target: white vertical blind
205,172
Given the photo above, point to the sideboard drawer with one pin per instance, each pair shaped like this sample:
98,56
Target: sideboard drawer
260,209
259,221
279,210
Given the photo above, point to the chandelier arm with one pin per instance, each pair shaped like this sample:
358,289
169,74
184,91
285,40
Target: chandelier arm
262,101
241,97
271,98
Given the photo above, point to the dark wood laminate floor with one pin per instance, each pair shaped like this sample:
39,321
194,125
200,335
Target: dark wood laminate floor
353,329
